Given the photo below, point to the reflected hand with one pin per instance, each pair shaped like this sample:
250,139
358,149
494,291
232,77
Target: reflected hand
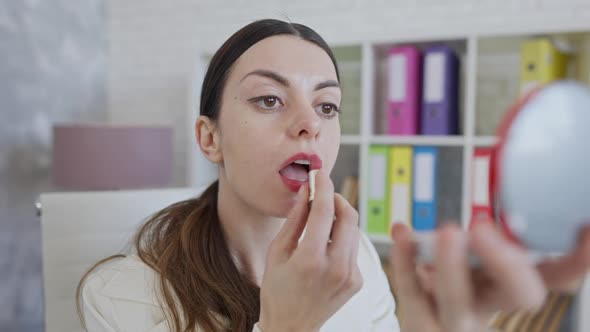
451,296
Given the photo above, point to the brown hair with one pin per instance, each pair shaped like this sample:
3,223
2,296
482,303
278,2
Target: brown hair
184,243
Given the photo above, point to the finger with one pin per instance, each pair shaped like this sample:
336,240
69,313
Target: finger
288,237
453,288
345,232
407,287
426,276
567,273
515,281
321,215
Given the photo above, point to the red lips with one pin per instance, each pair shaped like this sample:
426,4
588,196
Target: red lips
295,175
315,160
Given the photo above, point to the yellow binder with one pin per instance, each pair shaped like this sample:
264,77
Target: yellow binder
400,175
541,62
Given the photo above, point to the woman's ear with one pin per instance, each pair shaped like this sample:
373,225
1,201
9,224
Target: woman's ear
207,134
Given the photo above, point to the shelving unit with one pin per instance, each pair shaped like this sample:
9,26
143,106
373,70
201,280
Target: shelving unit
485,141
490,70
418,140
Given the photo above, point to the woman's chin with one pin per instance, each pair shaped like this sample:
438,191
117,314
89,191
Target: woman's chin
283,210
282,213
279,205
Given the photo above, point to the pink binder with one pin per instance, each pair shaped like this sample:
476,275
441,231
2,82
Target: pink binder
404,76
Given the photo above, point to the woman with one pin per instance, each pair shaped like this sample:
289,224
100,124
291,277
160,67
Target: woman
250,254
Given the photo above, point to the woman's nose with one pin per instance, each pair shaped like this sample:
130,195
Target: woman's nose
305,122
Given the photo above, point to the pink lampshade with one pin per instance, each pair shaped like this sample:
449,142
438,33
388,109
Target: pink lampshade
107,157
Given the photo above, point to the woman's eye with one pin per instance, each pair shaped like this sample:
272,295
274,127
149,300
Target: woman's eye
268,102
328,110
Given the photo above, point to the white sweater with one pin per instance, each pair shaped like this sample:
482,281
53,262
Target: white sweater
121,296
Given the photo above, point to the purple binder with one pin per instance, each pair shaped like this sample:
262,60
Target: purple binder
440,95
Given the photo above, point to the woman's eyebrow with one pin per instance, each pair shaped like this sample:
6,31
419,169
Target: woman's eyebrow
285,82
268,74
327,84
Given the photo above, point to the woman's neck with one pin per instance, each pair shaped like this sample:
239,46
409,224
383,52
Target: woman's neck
248,233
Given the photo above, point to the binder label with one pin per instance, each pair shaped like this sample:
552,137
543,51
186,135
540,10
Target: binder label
400,200
378,164
481,176
397,76
434,74
424,188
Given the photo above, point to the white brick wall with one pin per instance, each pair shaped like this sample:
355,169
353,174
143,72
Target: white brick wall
154,44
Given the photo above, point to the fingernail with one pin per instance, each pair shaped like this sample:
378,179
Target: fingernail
397,230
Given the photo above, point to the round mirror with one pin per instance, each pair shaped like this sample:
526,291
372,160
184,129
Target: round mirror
543,163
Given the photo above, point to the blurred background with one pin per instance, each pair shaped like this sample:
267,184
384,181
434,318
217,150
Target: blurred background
135,66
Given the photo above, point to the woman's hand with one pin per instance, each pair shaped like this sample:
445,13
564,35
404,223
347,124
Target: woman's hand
450,296
306,282
567,273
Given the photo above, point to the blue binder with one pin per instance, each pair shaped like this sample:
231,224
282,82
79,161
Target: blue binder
425,188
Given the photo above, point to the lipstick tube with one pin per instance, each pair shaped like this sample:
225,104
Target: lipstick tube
311,179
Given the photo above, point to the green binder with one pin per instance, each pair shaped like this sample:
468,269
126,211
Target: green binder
378,194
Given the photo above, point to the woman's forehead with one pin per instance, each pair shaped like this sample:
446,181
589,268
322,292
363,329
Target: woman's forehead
287,55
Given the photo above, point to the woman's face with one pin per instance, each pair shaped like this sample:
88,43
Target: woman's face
279,112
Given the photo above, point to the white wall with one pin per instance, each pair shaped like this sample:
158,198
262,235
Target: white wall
154,44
